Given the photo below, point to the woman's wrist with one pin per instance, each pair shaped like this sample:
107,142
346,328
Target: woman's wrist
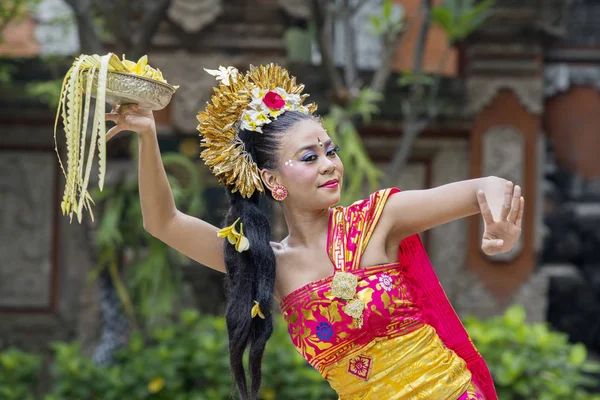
149,131
494,188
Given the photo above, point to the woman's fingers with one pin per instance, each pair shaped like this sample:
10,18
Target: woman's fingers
112,116
127,117
486,213
516,202
112,132
519,220
508,191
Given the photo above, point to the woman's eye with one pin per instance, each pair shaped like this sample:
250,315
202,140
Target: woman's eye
312,157
333,151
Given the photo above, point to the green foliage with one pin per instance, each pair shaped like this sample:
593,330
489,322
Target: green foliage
460,18
185,361
529,361
409,78
188,360
152,285
6,72
341,126
386,23
18,374
46,91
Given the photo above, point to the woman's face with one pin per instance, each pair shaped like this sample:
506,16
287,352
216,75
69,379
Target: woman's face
308,167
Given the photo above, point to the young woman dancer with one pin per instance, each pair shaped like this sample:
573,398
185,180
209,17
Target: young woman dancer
362,302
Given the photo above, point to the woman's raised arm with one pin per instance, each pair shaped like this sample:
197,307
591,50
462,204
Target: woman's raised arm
191,236
498,200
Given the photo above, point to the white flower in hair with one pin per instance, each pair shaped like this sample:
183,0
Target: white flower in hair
257,99
224,74
252,120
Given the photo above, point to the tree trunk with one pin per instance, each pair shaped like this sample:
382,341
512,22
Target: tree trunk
412,125
89,42
411,129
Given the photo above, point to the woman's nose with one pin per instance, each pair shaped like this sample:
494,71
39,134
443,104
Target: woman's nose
327,166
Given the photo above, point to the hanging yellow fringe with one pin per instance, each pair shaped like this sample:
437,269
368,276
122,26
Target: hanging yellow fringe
76,196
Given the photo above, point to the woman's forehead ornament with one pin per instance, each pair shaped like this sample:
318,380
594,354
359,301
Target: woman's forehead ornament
319,141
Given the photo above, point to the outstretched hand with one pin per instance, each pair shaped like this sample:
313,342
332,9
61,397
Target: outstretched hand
501,236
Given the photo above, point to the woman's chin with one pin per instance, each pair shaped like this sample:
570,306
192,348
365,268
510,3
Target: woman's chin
334,199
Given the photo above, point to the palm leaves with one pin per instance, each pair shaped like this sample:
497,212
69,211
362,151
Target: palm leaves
460,18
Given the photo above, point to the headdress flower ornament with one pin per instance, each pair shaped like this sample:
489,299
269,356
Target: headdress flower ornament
244,102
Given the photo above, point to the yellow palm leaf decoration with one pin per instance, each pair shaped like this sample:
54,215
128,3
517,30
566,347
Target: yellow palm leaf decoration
94,75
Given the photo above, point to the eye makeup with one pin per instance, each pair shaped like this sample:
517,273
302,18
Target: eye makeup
311,155
313,148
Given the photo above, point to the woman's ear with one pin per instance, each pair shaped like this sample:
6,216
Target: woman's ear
269,178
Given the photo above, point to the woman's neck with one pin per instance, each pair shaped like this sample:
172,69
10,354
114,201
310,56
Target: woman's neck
305,228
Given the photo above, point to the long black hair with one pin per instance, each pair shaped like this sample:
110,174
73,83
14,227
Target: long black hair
251,274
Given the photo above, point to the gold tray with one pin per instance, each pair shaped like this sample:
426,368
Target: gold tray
127,88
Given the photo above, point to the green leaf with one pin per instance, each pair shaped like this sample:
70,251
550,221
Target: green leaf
376,25
591,367
410,78
515,316
46,91
578,354
387,10
442,16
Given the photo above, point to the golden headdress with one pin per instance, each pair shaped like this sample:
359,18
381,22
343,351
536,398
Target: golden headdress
245,102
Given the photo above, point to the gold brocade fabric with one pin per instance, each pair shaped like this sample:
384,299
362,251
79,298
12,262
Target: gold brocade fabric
473,393
409,367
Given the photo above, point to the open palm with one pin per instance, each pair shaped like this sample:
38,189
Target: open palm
501,236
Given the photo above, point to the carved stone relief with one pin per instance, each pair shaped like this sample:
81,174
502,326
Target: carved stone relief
482,90
559,78
299,9
193,15
26,228
504,156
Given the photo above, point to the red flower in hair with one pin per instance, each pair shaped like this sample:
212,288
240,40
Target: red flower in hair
273,100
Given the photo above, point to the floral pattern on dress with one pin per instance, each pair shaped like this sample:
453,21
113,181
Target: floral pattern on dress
324,331
386,282
360,366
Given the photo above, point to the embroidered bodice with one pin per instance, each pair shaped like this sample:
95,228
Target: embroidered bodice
364,329
323,332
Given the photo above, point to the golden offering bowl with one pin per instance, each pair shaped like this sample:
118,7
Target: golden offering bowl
128,88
